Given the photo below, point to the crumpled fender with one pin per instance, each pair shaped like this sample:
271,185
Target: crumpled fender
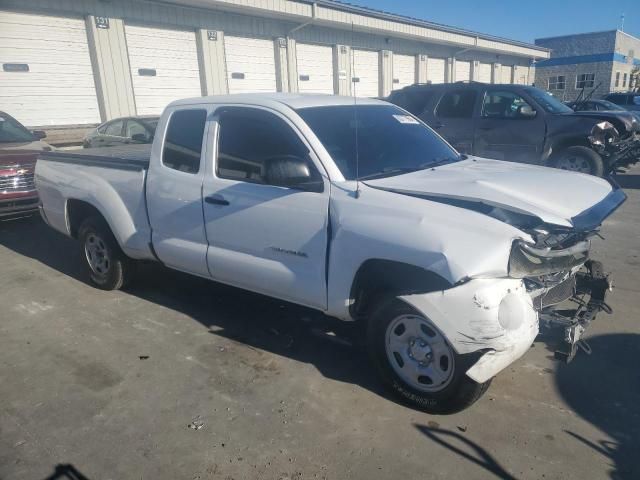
492,315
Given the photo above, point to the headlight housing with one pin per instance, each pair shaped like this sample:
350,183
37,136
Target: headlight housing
603,134
530,261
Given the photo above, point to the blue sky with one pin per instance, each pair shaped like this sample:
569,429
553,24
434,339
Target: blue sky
517,19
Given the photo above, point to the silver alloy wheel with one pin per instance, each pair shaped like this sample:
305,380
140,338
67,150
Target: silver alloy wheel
97,254
419,353
575,163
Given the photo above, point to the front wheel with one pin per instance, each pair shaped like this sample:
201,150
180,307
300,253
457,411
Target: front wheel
415,360
109,268
579,159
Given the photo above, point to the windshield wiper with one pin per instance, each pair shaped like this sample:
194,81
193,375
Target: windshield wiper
391,172
401,170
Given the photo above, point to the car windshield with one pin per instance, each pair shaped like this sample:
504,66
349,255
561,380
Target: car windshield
548,102
389,141
606,104
152,123
12,131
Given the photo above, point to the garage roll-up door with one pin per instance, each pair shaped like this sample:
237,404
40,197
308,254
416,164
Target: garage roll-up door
404,70
484,72
46,76
435,70
365,73
251,65
505,74
463,71
315,68
164,66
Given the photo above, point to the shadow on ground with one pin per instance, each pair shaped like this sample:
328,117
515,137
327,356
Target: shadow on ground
628,181
255,320
466,449
66,472
604,389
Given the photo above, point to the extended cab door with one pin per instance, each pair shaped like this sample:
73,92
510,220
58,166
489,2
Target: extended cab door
264,237
509,128
174,190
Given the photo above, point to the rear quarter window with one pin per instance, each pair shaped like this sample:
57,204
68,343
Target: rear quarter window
183,142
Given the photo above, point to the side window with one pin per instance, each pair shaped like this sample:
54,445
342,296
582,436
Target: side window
457,104
114,128
135,128
499,104
183,141
102,129
249,138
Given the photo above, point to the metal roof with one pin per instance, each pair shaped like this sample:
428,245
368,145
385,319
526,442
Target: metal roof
349,7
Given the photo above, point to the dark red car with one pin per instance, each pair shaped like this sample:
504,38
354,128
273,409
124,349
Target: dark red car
19,149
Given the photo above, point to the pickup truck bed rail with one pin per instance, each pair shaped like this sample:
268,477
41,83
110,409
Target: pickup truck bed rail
129,157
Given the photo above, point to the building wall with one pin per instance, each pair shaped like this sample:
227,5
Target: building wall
603,53
111,62
627,51
602,71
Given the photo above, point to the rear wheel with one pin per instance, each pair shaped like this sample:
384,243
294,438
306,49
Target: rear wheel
416,361
108,267
579,159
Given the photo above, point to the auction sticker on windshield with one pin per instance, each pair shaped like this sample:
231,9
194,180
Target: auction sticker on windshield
408,119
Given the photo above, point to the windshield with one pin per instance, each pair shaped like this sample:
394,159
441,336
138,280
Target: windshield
547,102
390,141
12,131
610,105
152,123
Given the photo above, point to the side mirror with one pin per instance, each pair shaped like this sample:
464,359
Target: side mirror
39,134
139,137
292,172
525,111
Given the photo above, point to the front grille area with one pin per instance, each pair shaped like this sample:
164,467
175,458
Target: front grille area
557,294
16,179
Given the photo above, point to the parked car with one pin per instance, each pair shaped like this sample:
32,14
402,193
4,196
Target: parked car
19,149
595,105
522,124
121,131
628,101
449,263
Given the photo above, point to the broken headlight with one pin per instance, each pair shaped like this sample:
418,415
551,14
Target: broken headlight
603,134
527,260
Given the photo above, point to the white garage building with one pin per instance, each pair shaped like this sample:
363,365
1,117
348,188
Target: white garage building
80,62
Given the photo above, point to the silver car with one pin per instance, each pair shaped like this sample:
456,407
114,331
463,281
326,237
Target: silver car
121,131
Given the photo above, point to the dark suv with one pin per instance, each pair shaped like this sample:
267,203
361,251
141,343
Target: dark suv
523,124
628,101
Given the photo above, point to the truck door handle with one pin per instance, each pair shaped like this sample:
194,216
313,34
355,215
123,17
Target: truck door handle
216,200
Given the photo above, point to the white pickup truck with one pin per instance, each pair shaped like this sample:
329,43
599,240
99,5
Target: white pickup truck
450,263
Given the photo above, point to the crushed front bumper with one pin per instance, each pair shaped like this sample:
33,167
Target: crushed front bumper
493,316
567,326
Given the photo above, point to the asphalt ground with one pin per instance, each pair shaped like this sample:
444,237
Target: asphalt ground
180,378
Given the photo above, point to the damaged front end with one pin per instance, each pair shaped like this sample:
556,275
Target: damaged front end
618,149
567,288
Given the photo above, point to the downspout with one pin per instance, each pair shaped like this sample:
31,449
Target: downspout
314,7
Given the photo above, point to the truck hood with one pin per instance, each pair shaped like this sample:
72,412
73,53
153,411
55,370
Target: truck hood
524,196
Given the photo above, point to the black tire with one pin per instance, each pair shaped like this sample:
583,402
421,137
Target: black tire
460,393
579,159
117,269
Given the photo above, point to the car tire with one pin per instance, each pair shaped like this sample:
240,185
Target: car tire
108,267
457,393
579,159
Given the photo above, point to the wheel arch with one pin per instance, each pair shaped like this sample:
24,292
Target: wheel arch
77,211
376,275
